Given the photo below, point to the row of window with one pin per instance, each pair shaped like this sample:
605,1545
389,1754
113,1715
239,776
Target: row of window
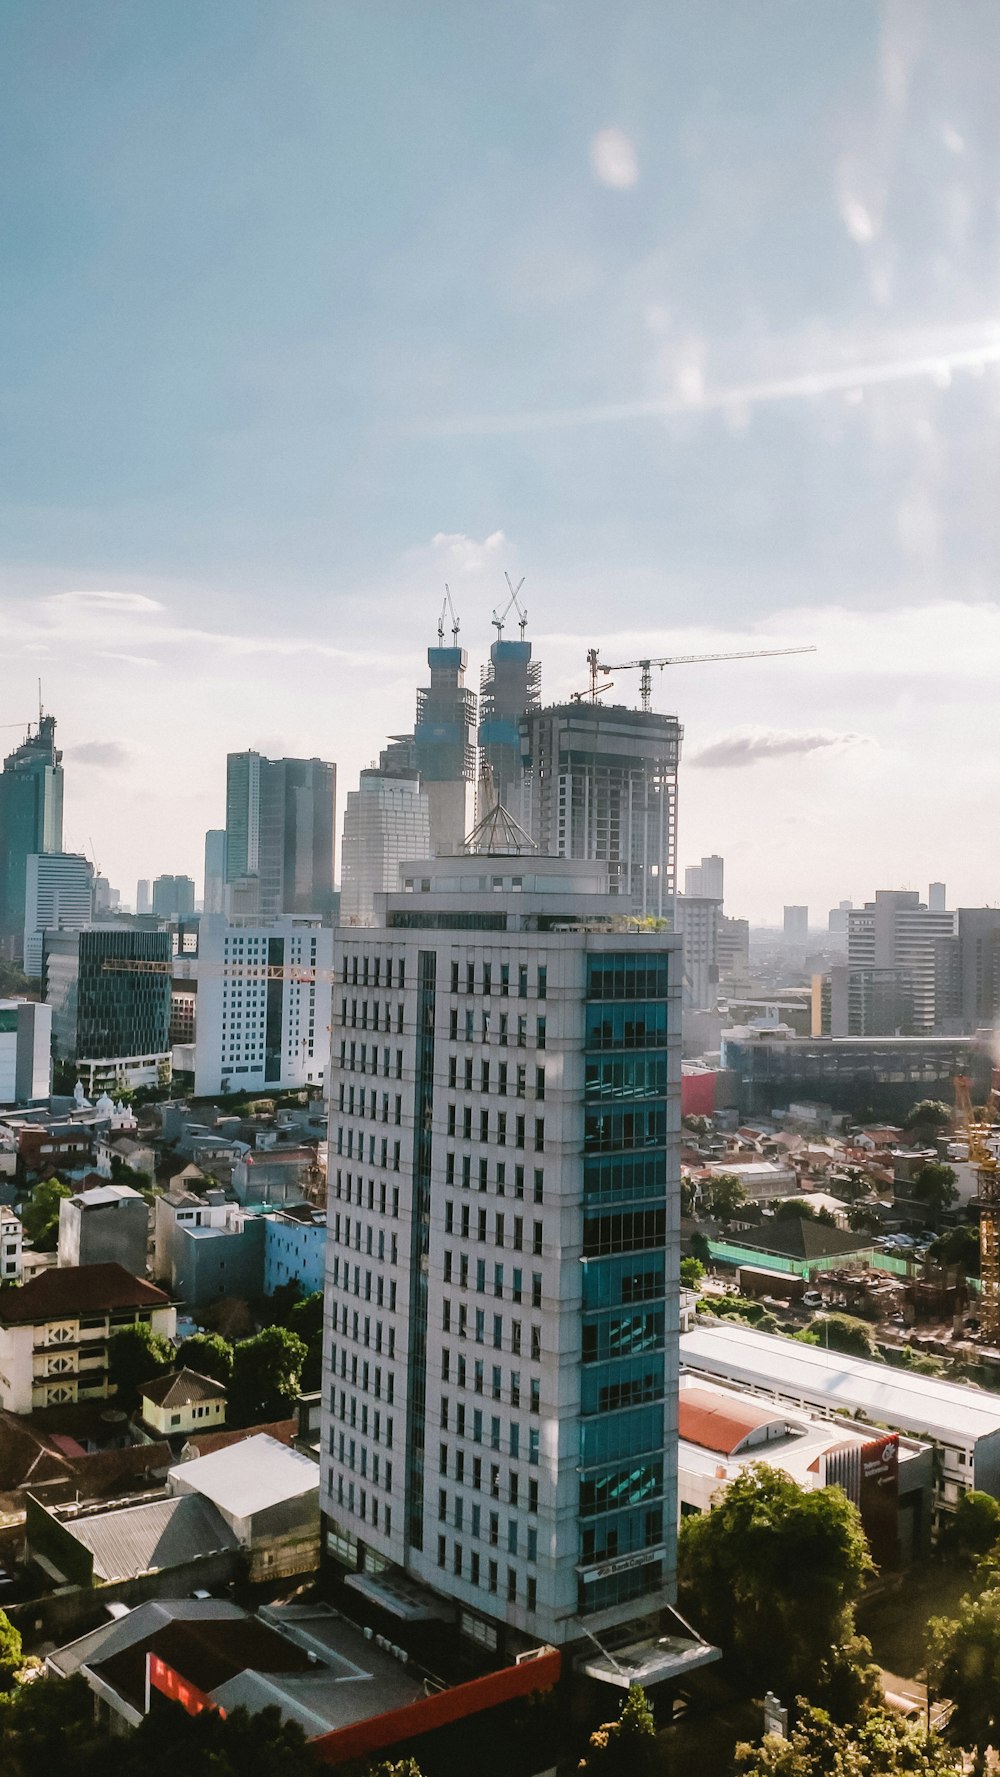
458,1322
460,1318
365,971
349,1188
351,1146
374,1286
354,1057
487,1528
503,1082
356,1458
494,1127
494,1028
375,1337
499,1176
643,975
459,1373
479,978
356,1102
469,1422
490,1580
357,1500
470,1473
356,1015
369,1378
463,1227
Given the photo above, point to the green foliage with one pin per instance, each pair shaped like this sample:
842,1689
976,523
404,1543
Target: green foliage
626,1747
794,1206
883,1746
922,1363
928,1117
135,1355
958,1246
692,1272
935,1186
843,1332
862,1220
849,1184
740,1308
964,1664
208,1353
771,1575
404,1767
40,1215
973,1528
276,1310
306,1319
687,1197
11,1658
267,1376
700,1248
725,1197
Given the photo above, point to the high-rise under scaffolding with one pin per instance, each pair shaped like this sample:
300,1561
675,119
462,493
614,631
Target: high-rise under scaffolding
602,784
444,749
510,689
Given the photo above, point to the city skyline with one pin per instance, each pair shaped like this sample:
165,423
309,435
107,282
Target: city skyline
691,321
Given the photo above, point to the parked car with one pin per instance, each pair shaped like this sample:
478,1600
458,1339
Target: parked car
812,1299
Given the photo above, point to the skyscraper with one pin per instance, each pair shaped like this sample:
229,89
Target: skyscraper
444,748
59,896
143,901
31,821
705,878
510,688
796,925
214,896
280,819
173,897
896,951
386,821
603,785
500,1376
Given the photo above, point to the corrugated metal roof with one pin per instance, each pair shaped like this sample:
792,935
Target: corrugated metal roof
720,1423
923,1405
162,1533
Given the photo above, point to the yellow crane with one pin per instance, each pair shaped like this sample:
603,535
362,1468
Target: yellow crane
984,1160
645,667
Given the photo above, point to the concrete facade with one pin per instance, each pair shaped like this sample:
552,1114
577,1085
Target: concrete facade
109,1224
25,1052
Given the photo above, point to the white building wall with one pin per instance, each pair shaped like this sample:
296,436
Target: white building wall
236,1047
58,896
386,821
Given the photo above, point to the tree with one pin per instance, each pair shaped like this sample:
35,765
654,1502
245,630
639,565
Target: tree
794,1206
208,1353
862,1219
771,1575
963,1664
725,1197
306,1319
687,1196
267,1376
935,1187
169,1740
849,1184
11,1659
135,1355
692,1272
958,1246
700,1248
927,1118
884,1745
974,1526
626,1747
49,1726
843,1332
40,1215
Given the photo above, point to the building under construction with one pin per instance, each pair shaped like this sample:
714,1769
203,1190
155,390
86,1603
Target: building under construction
601,783
511,686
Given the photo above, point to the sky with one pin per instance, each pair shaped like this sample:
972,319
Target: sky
690,315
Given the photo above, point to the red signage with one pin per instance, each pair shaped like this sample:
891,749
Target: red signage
180,1690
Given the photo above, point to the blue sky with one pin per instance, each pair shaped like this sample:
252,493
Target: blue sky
688,313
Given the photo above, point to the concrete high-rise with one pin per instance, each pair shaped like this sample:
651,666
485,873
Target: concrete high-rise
937,897
796,925
31,821
896,948
603,786
173,897
59,896
697,919
110,1020
386,822
510,689
214,895
280,823
143,897
254,1029
500,1363
706,878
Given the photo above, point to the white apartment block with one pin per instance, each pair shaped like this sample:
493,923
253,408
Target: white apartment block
58,896
697,918
263,1004
500,1368
386,821
893,957
25,1051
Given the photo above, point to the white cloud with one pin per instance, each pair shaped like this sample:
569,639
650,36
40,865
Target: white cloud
465,553
134,604
749,746
613,159
104,753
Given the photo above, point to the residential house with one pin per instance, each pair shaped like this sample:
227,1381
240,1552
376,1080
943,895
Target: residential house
54,1332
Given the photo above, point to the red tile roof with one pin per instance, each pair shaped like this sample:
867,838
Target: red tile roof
719,1424
64,1291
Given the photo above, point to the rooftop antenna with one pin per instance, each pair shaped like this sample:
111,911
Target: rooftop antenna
448,606
41,712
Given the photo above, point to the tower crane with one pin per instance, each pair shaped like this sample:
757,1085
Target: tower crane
447,606
983,1158
597,665
498,622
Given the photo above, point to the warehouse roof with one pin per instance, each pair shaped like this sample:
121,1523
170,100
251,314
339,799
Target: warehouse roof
720,1422
161,1533
65,1291
801,1237
924,1405
246,1478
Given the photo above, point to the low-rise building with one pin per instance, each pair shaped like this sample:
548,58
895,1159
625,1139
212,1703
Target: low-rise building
11,1246
76,1546
762,1180
207,1247
963,1423
295,1248
25,1051
108,1225
182,1401
268,1494
138,1156
54,1332
275,1176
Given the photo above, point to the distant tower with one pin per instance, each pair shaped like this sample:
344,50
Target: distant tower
214,900
143,902
796,925
937,897
510,688
31,821
444,751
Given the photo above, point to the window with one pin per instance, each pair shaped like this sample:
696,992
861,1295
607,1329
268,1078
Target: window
543,981
536,1239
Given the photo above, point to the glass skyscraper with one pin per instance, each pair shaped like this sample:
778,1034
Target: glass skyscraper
31,821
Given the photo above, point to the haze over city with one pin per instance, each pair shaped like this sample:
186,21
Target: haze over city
688,318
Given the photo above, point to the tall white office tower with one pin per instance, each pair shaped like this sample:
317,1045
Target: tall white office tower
386,821
500,1364
214,895
706,879
143,896
58,897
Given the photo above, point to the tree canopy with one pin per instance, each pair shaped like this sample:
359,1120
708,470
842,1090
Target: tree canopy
135,1355
974,1526
884,1745
11,1657
964,1664
267,1376
725,1197
692,1272
772,1574
626,1747
208,1353
40,1215
842,1332
928,1116
935,1187
958,1246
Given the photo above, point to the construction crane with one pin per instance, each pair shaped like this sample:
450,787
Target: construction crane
498,622
447,606
298,973
983,1158
597,665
